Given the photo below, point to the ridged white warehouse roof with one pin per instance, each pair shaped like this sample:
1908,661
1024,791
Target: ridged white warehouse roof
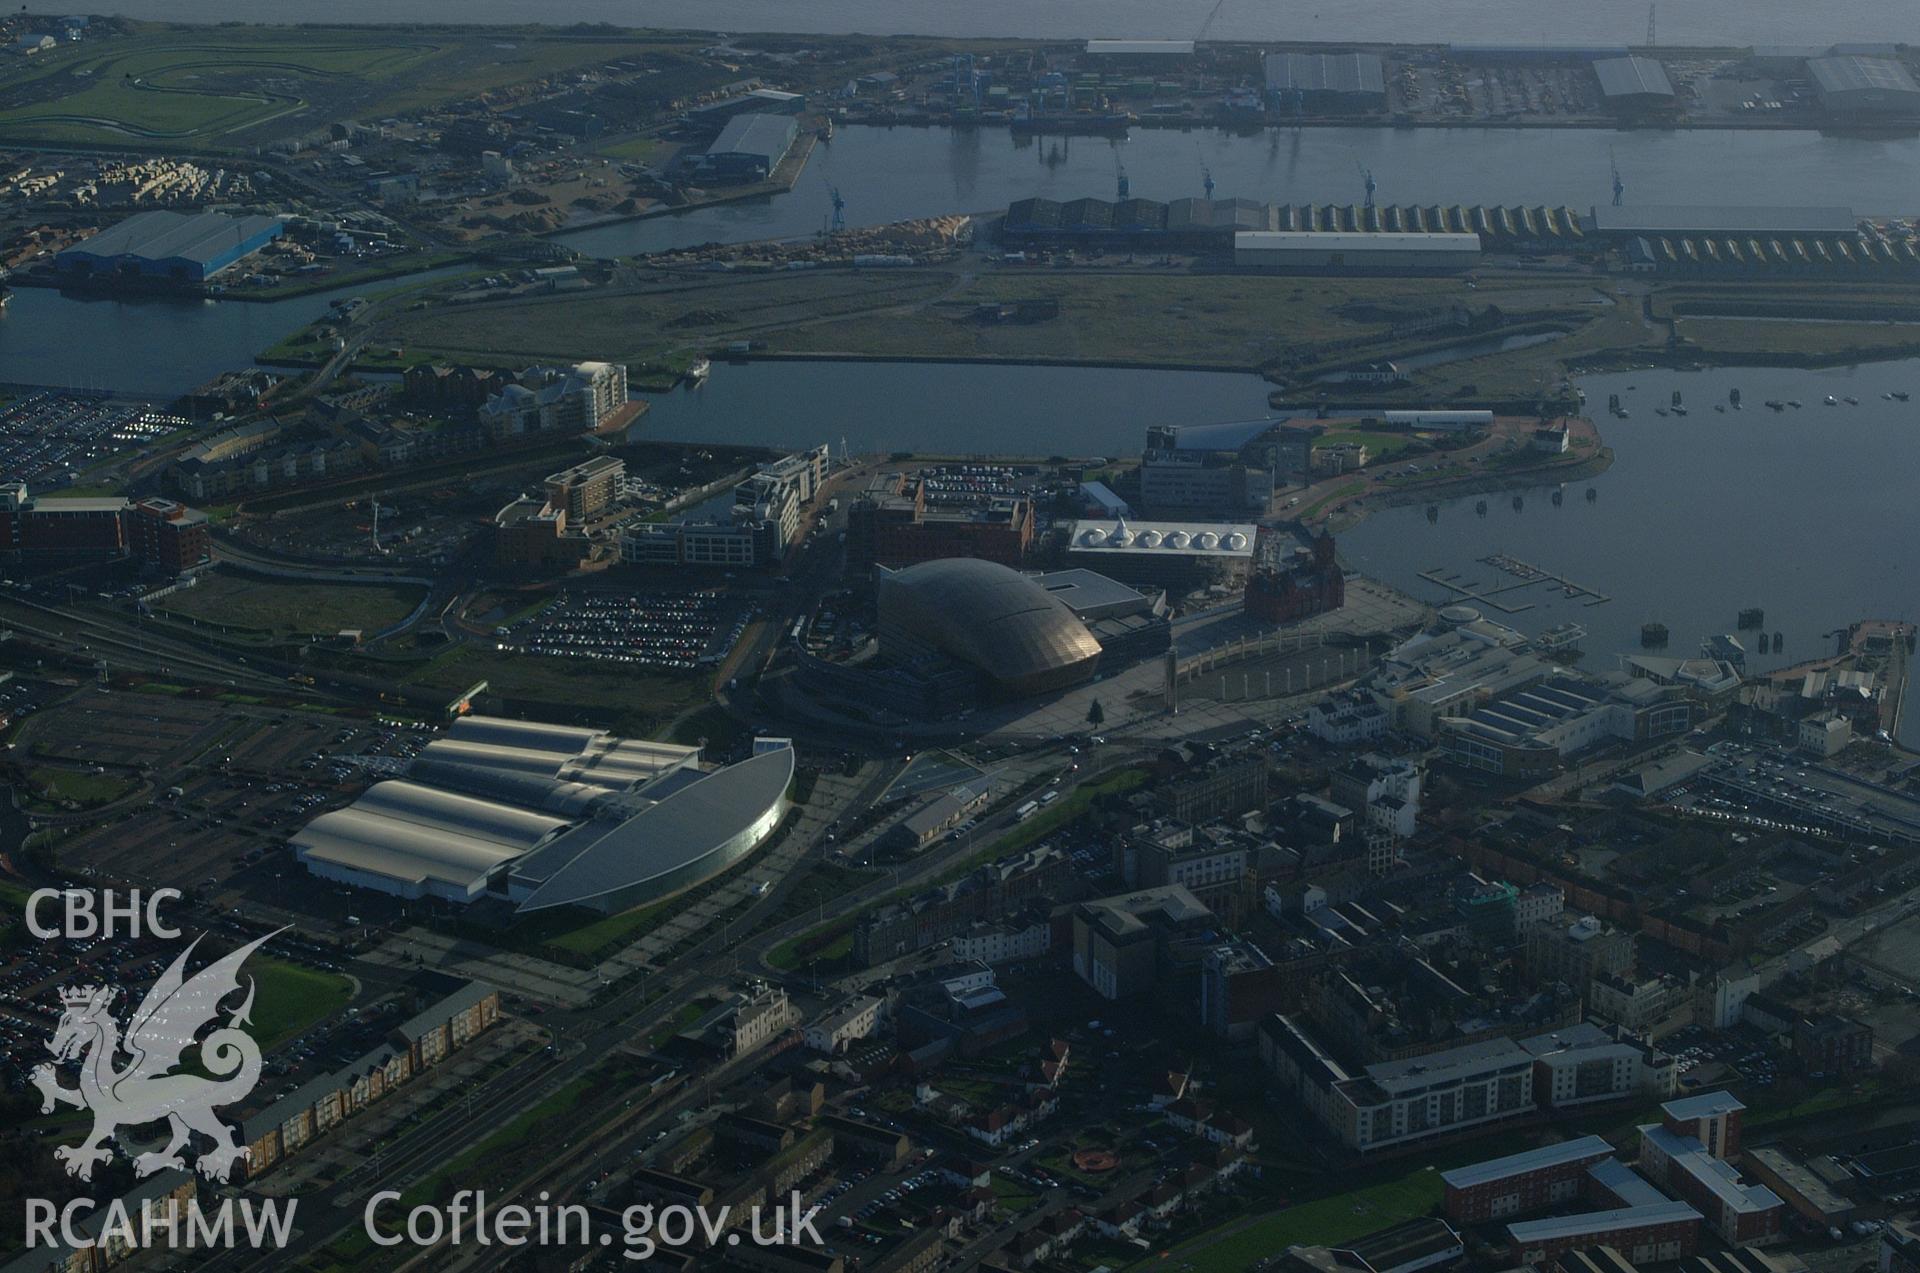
562,816
560,768
411,833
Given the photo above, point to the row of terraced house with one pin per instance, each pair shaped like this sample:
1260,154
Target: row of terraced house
415,1046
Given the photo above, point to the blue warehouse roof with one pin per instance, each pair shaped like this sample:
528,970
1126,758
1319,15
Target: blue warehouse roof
203,238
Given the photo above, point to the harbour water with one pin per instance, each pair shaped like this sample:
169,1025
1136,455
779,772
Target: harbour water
147,348
1808,514
956,408
1705,22
888,174
159,348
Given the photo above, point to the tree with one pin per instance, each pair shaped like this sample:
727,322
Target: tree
1096,714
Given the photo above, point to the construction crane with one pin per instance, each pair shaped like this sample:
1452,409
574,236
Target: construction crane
1206,26
1366,175
1619,186
837,221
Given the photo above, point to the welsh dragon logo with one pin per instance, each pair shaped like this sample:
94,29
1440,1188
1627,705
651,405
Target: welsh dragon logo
145,1089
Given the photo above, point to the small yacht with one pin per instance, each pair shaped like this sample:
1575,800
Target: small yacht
699,371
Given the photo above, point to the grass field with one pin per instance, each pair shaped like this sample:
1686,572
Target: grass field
1216,320
1291,328
1825,339
633,149
278,607
172,88
622,928
1827,1100
87,790
290,998
1380,446
711,722
825,944
1328,1221
673,314
234,85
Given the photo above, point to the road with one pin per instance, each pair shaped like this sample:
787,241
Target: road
580,1036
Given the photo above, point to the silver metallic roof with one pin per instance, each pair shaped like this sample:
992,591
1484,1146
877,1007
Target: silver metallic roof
164,236
1848,74
989,617
1326,73
408,832
560,768
699,819
1632,77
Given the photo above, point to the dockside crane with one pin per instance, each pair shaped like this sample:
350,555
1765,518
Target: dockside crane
1619,186
1366,175
1207,25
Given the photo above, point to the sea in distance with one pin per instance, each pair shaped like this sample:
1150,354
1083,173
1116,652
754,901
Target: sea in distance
1607,22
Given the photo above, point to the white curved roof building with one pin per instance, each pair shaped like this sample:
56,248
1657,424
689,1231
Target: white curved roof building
694,832
547,816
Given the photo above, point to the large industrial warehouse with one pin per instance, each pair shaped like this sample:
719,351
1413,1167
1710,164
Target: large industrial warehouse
1849,85
1737,241
1633,83
1707,219
1210,224
750,147
176,246
1304,252
1326,81
540,816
